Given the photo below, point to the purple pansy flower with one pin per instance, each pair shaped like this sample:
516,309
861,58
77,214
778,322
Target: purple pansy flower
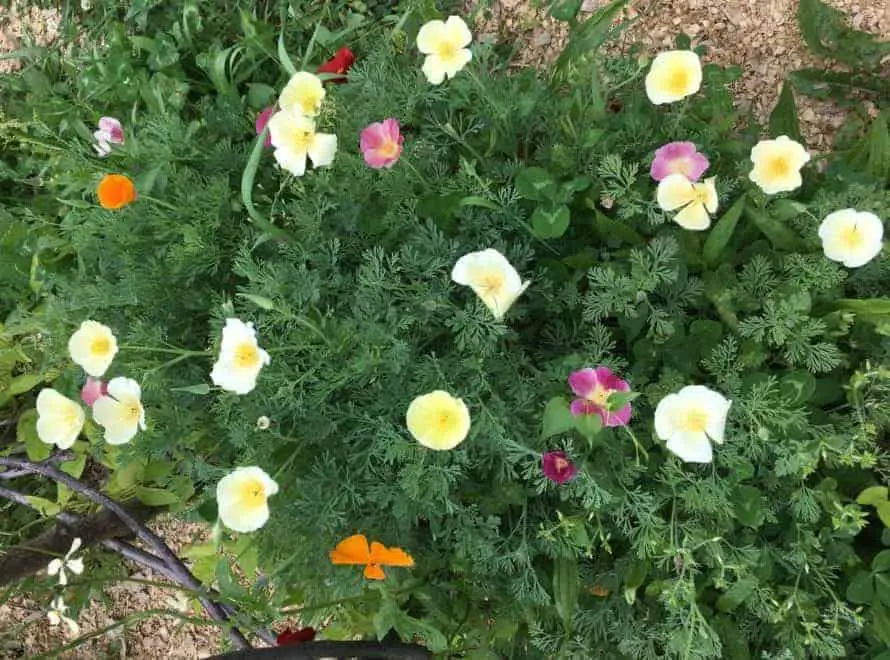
678,158
594,386
557,467
261,120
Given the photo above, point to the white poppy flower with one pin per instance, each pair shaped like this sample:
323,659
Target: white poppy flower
294,138
445,45
56,615
690,420
59,419
303,94
851,237
696,201
492,278
777,165
93,347
120,412
240,358
242,498
59,565
674,75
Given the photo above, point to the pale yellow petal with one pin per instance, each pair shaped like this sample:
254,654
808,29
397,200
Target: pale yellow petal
430,37
434,69
693,217
674,75
323,149
674,191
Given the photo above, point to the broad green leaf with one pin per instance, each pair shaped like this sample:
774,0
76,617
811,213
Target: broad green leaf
23,383
720,235
260,301
617,400
565,10
155,496
588,425
201,388
247,177
44,506
881,562
872,153
861,588
872,496
566,586
747,506
827,32
882,587
610,229
881,622
535,183
260,95
783,119
557,417
797,387
827,84
786,209
736,594
781,236
634,579
550,222
26,433
865,306
75,466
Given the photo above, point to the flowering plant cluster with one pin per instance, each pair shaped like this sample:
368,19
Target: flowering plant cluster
517,363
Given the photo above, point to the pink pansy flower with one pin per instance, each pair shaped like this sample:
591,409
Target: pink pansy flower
261,120
381,143
557,467
110,132
678,158
92,390
594,387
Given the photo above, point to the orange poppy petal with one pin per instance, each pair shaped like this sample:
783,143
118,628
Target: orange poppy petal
115,191
374,572
353,550
384,556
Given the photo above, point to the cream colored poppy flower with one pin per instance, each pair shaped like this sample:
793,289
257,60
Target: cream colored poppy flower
674,75
93,347
852,237
240,358
445,45
303,94
59,565
59,419
690,420
56,615
438,420
294,138
696,201
242,497
120,412
777,164
492,278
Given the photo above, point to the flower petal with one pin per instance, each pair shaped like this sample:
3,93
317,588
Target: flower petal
351,550
691,447
584,381
323,149
693,217
674,191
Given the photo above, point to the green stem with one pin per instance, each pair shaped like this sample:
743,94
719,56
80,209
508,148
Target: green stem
417,173
638,448
170,351
160,202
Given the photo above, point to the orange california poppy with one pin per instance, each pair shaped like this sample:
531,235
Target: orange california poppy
355,550
115,191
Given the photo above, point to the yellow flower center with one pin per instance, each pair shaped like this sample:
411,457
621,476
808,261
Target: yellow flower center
309,103
851,237
699,195
694,421
678,80
247,356
446,421
681,166
492,283
251,493
560,463
389,149
778,167
132,411
100,346
303,139
600,396
447,51
70,418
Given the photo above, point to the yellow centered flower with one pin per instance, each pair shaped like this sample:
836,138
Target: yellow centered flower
240,358
438,420
696,201
242,497
93,347
690,420
120,412
303,94
59,419
445,45
851,237
491,277
673,76
294,138
777,165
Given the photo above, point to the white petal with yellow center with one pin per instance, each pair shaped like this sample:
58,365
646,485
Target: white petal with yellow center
240,358
852,237
491,277
242,498
690,420
303,94
777,165
120,413
696,200
445,46
673,76
294,138
59,419
438,420
93,347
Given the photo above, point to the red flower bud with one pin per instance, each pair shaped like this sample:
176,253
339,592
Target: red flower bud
339,63
288,637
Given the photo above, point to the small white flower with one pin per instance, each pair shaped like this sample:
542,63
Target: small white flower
240,358
263,423
56,615
59,565
242,498
445,45
777,165
696,201
303,94
294,138
492,278
120,412
93,347
690,420
59,419
674,75
851,237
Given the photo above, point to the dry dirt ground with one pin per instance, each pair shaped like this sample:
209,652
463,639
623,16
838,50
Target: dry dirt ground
761,36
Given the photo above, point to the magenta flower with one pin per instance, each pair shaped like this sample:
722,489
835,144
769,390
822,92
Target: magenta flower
381,143
594,387
261,120
93,389
110,132
557,467
678,158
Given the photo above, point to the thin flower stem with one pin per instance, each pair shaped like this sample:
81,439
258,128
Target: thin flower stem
158,349
417,173
638,448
